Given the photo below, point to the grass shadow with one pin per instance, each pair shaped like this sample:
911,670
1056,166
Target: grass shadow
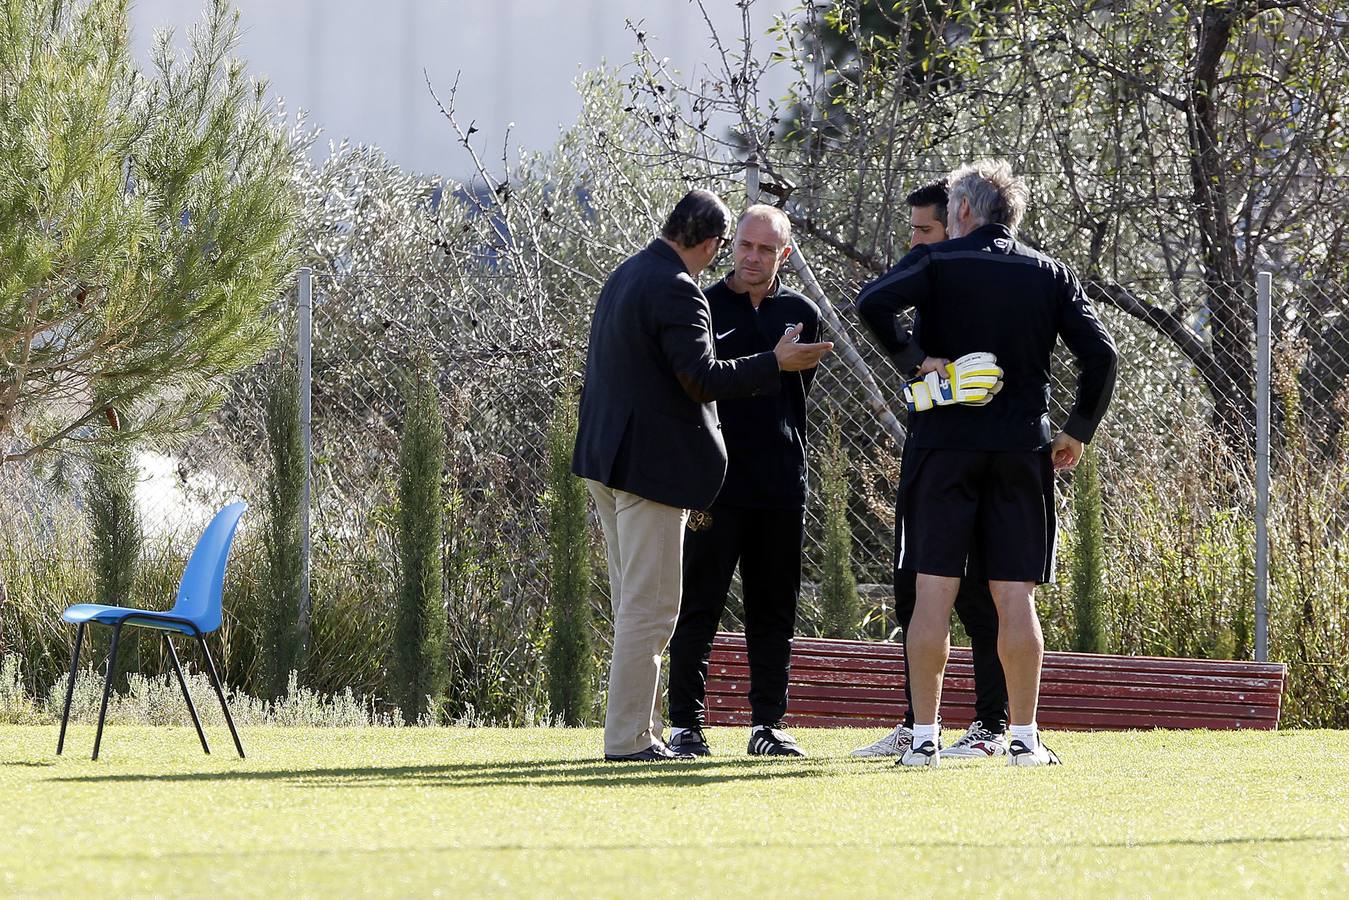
541,773
786,844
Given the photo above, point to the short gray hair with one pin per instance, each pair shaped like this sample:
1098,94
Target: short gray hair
771,214
996,196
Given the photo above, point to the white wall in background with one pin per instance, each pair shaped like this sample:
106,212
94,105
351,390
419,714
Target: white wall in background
356,65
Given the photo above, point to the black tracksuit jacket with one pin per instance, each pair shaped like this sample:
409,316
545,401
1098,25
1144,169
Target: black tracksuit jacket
988,292
766,434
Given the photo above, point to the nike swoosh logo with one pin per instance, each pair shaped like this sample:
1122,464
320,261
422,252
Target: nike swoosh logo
724,334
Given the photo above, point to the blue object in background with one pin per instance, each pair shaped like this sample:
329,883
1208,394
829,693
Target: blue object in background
196,612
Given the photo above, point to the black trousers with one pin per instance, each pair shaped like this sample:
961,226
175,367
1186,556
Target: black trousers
767,545
976,611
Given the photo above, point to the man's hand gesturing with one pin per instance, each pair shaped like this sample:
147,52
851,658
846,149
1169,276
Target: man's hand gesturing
793,356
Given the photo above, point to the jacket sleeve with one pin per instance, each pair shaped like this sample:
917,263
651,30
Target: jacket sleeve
684,330
810,334
1097,360
908,284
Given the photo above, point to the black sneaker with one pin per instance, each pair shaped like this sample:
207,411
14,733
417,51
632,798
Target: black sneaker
657,752
771,740
690,741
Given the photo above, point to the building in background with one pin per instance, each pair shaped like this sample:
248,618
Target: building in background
360,67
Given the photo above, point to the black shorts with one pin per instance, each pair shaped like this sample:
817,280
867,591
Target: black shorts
999,501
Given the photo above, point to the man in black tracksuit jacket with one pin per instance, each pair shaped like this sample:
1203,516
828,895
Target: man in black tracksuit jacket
974,604
757,518
984,474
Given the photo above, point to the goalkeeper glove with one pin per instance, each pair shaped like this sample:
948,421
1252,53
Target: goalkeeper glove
972,379
975,378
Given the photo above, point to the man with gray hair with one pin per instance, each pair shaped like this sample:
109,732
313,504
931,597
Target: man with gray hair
984,472
649,445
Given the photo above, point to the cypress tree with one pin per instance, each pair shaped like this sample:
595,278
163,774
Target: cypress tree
569,657
118,537
282,641
1088,564
838,586
418,666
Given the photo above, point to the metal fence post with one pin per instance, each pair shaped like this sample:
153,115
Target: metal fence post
305,338
1262,389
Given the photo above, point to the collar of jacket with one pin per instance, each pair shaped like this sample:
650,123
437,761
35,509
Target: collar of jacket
778,287
660,248
994,230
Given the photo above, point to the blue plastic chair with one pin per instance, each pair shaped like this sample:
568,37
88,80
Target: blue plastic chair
196,612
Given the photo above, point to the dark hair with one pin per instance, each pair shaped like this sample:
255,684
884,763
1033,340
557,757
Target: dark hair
933,194
700,215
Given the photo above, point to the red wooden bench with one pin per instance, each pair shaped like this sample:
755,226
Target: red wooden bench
836,683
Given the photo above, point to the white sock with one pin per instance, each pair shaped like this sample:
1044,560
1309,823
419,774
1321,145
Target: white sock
1026,734
676,732
923,733
758,728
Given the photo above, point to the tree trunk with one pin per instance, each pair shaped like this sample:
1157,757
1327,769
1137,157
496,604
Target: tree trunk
1230,313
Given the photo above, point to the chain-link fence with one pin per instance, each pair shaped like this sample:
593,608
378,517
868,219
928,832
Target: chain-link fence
1176,467
374,332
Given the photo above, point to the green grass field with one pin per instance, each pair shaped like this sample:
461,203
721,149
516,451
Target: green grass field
532,812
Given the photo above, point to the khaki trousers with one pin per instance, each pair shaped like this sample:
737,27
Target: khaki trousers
644,541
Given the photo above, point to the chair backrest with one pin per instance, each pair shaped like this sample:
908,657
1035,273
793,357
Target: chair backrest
199,592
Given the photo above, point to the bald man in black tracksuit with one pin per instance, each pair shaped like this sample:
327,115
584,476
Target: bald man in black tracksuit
757,520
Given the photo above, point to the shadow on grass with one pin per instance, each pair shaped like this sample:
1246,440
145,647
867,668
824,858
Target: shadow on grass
540,773
785,844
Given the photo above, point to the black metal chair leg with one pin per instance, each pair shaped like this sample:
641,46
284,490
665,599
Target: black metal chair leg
219,692
182,682
70,686
107,686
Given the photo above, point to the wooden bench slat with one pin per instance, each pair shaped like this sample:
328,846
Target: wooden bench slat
860,684
1075,661
961,693
1070,719
810,664
808,700
1087,720
1192,687
1081,723
887,650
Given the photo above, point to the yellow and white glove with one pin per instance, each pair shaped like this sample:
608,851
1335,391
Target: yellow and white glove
973,380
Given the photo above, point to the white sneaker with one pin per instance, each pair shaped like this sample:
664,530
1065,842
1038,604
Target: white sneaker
1018,754
893,744
978,743
925,754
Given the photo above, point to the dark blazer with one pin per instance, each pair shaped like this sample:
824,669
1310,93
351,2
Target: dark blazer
648,420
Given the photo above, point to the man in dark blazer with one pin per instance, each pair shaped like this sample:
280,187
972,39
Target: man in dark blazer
650,448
